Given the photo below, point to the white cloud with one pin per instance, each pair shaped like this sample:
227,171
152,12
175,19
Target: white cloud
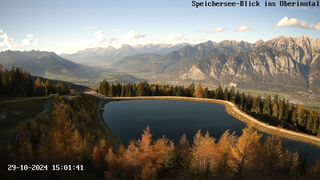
29,40
219,29
91,28
176,38
7,41
293,22
101,38
244,29
132,36
113,40
170,39
216,30
317,26
196,40
116,29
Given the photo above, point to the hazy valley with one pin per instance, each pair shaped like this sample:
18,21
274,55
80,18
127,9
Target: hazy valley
164,90
283,65
251,75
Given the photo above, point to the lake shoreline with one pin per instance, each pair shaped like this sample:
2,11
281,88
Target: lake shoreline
232,110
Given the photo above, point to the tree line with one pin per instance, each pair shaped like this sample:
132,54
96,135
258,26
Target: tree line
273,110
18,83
229,157
67,134
72,134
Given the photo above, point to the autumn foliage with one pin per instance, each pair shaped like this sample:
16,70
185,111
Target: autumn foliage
229,157
72,134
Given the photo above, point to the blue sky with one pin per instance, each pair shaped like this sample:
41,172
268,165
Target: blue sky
66,26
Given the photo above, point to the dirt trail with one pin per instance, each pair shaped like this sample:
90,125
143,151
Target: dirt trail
13,100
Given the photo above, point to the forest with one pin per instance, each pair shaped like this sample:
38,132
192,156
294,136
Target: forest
73,132
18,83
90,143
272,110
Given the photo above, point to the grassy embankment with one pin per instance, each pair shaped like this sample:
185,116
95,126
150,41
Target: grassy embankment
15,111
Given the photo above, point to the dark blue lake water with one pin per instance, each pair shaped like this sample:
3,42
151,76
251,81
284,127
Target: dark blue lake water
127,119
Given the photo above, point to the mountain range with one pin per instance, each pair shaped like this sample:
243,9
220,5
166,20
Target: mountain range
108,56
52,66
280,64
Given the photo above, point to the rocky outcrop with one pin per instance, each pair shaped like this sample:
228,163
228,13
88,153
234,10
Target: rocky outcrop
282,63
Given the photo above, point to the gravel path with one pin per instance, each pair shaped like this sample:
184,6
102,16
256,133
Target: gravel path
233,110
